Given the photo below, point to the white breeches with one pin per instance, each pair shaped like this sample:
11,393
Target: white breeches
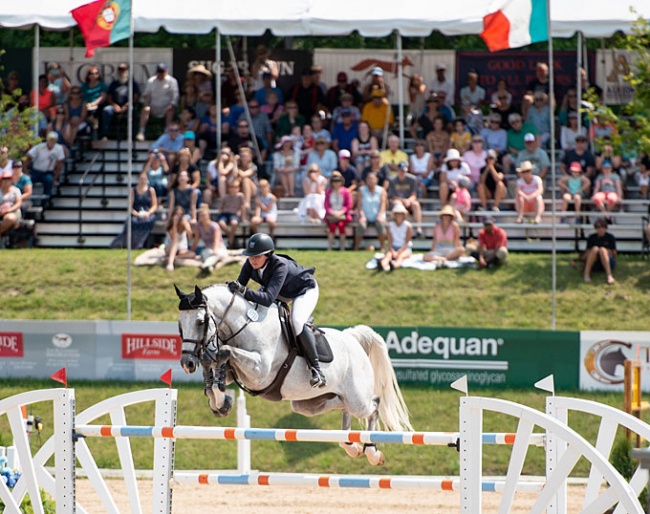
302,308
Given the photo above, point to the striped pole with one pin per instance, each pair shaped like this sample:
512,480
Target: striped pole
303,435
343,481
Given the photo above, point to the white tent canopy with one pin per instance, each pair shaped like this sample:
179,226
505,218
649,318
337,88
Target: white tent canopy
373,18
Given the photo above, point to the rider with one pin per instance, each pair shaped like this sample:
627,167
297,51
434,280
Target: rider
281,277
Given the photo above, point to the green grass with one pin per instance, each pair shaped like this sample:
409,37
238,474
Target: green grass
91,284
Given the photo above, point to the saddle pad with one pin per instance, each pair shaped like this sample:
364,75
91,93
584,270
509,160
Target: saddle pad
322,346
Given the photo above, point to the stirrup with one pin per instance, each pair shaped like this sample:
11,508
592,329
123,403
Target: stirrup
317,378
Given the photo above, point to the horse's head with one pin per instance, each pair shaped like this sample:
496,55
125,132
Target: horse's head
195,325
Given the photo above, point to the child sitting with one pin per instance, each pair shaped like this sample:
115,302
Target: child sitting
232,212
266,208
461,199
461,137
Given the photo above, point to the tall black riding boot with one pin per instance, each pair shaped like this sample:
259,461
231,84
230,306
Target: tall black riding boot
308,347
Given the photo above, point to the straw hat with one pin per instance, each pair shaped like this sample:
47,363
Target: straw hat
525,166
199,68
399,208
447,210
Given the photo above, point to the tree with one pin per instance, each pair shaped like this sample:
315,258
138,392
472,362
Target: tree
17,122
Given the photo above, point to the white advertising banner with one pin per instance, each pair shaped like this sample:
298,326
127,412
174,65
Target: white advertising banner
611,68
358,64
602,358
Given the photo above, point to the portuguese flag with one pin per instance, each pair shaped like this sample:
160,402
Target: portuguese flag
103,22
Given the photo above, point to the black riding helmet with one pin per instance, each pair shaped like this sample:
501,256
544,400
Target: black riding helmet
259,244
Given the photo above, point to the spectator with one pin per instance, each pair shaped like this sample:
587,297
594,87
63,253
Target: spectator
608,190
201,78
93,93
160,98
177,239
58,83
446,245
289,120
400,240
530,190
421,166
492,183
417,95
229,86
45,163
261,124
393,156
494,136
45,98
22,182
262,93
475,159
342,92
504,108
450,174
376,83
642,177
232,211
539,116
144,204
190,96
375,166
600,128
461,199
378,113
184,163
501,94
422,125
318,128
533,153
438,141
13,83
403,188
10,202
540,84
442,84
600,254
189,142
312,206
273,109
263,64
444,109
608,153
286,162
472,92
345,132
363,145
460,138
516,144
117,98
569,132
208,131
206,100
157,171
582,155
183,195
305,144
307,95
574,188
247,173
348,172
323,156
371,205
244,139
346,103
221,170
5,161
208,232
338,210
169,143
75,115
492,245
266,208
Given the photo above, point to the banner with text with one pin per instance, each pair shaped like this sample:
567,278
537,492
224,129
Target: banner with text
611,68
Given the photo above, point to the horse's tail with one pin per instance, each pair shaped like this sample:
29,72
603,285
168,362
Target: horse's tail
393,411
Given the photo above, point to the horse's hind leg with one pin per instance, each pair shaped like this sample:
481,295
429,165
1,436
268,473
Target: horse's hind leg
374,456
352,449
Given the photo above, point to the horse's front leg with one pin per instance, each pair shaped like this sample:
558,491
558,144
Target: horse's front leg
248,364
220,403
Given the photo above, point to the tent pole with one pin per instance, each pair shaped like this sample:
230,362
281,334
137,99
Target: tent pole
129,174
553,181
400,88
36,67
579,79
218,85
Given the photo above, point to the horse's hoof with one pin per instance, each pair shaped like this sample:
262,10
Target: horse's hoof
353,450
224,410
374,456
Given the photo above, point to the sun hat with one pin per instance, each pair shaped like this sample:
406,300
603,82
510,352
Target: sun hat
399,208
284,139
525,166
452,155
200,68
447,210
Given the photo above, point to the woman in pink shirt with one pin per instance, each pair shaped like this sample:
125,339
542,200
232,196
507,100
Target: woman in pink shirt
338,209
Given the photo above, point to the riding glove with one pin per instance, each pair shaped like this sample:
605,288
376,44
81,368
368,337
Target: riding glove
235,287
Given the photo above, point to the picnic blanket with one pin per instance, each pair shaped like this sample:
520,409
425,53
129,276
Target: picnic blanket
157,257
415,261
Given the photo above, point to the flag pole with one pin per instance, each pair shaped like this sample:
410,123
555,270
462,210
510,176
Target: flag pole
552,139
129,180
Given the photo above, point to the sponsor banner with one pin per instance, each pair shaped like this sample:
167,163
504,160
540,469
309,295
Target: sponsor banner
358,65
149,346
611,68
11,344
602,358
489,357
518,69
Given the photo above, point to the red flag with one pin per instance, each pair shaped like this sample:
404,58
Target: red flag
103,22
60,376
167,377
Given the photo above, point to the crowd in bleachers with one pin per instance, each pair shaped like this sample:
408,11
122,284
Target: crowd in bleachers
336,146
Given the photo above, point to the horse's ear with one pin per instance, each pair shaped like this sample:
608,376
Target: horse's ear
180,293
198,294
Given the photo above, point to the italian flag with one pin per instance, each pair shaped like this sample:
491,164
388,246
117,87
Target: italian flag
103,22
515,23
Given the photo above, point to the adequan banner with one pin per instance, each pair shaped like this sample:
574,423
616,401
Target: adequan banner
611,68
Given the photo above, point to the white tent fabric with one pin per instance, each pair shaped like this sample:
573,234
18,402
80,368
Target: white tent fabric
375,18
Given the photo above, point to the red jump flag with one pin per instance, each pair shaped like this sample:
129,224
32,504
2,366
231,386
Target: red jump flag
60,376
103,22
167,377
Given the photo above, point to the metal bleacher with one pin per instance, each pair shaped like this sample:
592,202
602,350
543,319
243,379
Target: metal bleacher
89,208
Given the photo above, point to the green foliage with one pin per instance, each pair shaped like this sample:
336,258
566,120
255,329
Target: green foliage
26,507
622,461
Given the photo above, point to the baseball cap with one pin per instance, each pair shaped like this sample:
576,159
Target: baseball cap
6,174
529,137
606,164
575,166
441,66
403,165
492,154
344,154
378,71
189,135
342,76
52,136
161,67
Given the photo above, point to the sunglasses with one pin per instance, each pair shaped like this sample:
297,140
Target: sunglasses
253,106
242,126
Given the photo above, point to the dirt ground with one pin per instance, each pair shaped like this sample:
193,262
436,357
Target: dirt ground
190,499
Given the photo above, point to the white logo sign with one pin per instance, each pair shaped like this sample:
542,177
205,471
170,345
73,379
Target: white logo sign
61,340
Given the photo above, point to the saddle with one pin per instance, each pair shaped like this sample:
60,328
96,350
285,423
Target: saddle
272,392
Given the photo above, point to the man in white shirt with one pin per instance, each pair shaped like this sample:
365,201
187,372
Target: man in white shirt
160,98
472,92
45,163
442,83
